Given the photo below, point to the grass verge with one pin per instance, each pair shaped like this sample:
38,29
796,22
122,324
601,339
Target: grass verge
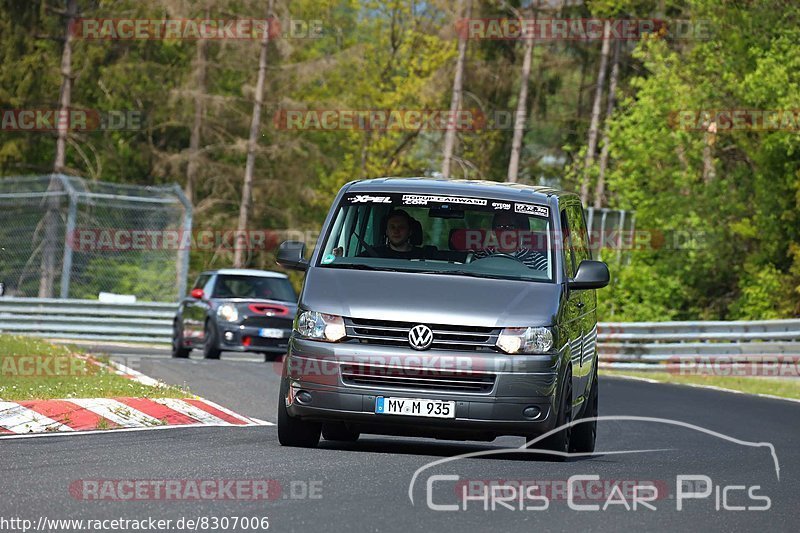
32,369
785,388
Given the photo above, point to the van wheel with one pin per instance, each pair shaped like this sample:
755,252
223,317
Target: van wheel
585,433
294,431
210,342
339,431
559,442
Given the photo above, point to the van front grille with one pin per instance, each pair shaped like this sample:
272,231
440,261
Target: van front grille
445,337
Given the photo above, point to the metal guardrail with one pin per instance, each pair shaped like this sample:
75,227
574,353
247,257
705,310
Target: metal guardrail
662,343
634,343
88,320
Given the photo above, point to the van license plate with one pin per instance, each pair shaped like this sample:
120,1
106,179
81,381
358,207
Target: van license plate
415,407
270,333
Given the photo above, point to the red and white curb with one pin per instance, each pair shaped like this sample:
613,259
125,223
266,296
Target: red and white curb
60,416
76,416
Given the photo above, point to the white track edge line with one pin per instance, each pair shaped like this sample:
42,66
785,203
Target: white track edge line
709,387
119,430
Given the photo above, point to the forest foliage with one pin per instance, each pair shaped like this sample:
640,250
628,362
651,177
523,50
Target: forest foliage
735,191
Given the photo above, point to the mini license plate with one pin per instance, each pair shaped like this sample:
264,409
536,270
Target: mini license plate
270,333
415,407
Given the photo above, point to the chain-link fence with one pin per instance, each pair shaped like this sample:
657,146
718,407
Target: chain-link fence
611,232
63,236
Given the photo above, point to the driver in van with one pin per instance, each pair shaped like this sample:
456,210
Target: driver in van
399,231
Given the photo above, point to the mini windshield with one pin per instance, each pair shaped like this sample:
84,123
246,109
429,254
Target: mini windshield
254,287
439,234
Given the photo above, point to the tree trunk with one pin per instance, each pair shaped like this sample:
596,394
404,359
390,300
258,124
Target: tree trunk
50,240
247,187
709,139
591,145
612,93
455,101
522,112
199,105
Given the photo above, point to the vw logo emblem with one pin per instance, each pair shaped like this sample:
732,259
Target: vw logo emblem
420,337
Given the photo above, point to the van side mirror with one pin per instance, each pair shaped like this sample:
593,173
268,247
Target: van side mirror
590,275
197,294
291,255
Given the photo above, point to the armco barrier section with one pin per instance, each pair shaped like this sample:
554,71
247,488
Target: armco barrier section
638,344
88,320
696,347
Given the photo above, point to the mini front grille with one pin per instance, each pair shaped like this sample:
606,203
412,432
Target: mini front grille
420,379
267,322
447,337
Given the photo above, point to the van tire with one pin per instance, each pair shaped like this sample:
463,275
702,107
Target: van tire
584,434
294,431
560,441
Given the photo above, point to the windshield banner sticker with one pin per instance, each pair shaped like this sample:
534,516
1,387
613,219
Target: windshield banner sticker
530,209
366,198
419,199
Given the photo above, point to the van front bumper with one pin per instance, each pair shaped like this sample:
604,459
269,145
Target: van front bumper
518,383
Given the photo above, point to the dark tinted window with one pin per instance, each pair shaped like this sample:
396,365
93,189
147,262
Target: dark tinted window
231,286
201,282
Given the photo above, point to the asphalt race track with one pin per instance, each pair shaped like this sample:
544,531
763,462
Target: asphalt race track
365,486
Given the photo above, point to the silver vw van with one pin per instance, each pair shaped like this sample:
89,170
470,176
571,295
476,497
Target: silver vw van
447,309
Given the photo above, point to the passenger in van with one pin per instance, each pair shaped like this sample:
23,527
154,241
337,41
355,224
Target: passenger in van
400,234
505,221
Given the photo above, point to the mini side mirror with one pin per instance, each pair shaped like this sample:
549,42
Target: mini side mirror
291,255
197,294
590,275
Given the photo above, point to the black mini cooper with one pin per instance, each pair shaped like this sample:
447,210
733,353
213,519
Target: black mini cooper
236,310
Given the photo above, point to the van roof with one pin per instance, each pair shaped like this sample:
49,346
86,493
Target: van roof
491,189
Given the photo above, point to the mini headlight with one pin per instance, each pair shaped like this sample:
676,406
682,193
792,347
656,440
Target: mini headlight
228,312
319,326
525,340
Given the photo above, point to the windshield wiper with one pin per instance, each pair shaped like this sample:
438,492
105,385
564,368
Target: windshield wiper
463,273
360,266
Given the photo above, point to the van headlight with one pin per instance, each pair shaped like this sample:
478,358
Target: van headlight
228,313
319,326
525,340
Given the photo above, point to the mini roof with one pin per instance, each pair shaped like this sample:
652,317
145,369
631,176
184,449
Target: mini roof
247,272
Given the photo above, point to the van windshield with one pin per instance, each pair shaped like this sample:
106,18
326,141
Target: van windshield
440,234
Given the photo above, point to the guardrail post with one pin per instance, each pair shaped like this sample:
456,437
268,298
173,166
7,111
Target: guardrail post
602,233
72,214
621,235
183,259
